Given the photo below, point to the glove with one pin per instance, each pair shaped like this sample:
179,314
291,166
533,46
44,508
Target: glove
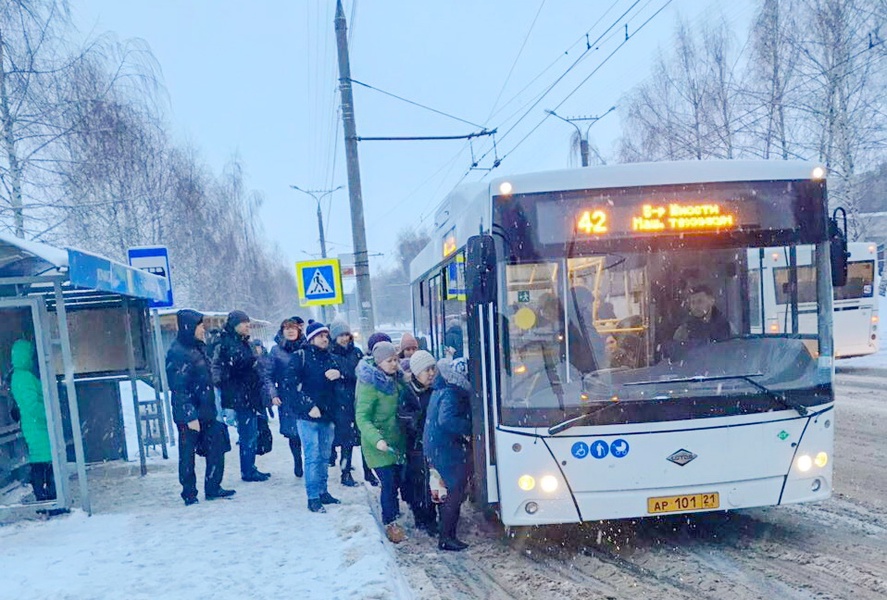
436,486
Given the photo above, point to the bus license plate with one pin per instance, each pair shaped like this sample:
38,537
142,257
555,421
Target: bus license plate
666,504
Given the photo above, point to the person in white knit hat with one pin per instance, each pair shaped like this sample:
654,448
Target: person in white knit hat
411,412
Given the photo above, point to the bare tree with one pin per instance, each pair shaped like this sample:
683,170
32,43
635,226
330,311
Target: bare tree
686,110
841,99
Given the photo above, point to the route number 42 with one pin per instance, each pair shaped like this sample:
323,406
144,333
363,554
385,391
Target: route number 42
593,222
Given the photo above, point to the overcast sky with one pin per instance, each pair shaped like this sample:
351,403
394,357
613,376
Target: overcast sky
259,79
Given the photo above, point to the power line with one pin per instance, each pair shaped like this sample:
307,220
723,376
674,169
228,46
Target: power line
589,47
552,64
434,110
426,137
516,58
590,75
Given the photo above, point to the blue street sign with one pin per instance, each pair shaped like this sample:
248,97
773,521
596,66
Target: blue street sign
600,449
155,260
619,448
91,271
580,450
319,282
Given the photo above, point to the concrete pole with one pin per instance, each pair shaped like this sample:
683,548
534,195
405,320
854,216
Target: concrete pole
358,228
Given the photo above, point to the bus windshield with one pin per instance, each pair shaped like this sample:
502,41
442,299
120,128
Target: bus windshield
645,336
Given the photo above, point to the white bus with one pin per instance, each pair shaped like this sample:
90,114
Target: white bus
609,317
856,316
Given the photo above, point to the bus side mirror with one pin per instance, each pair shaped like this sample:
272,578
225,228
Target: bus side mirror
480,269
838,249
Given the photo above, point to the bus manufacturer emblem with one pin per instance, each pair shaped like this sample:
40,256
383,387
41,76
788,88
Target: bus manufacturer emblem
682,457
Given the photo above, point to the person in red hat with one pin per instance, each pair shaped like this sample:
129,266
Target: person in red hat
408,345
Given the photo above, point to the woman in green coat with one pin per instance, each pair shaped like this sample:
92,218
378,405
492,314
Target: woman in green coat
382,440
27,391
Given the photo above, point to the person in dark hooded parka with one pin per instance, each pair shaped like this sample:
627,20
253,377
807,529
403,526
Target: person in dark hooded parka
347,436
447,441
237,374
194,409
289,339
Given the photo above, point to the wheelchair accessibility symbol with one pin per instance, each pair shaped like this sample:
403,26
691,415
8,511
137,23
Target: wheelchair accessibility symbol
580,450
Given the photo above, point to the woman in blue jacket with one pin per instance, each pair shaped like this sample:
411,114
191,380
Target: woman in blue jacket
447,442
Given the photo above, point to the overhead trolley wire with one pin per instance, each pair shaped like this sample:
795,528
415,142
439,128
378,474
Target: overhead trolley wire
589,47
551,65
516,58
402,99
583,82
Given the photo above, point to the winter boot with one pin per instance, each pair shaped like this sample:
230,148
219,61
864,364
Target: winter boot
297,468
191,500
220,493
348,480
325,498
395,533
370,477
316,506
451,544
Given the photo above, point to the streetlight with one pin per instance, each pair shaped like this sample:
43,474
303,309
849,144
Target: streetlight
319,195
583,140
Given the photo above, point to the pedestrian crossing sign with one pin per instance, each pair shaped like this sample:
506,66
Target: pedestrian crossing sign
319,282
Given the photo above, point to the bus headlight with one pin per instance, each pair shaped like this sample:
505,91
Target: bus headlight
804,463
526,483
548,483
821,460
505,188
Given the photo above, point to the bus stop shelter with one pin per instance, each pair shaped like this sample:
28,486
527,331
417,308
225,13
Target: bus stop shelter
87,318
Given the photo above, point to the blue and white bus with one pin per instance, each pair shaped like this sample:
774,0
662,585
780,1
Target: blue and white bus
596,394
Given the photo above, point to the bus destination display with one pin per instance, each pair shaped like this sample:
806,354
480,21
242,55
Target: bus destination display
761,209
677,217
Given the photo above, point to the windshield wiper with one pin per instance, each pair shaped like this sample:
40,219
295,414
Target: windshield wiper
556,429
781,399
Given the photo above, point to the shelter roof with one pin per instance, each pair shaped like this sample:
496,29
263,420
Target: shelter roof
24,258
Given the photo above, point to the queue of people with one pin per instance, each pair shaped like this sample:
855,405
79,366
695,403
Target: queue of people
409,414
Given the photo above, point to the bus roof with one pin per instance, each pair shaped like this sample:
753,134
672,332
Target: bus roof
657,173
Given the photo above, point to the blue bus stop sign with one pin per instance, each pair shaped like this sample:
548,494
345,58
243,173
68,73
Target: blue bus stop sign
155,260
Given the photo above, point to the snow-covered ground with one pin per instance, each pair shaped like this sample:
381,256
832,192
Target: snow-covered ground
142,542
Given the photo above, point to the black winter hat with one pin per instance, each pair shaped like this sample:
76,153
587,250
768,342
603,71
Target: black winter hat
236,317
188,320
294,319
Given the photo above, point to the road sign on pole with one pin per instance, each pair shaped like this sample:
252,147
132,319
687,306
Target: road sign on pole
320,282
155,260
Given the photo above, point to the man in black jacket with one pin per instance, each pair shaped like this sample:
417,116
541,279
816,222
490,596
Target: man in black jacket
194,409
309,387
237,374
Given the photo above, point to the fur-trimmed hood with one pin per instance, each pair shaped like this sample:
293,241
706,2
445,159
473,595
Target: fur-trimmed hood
369,373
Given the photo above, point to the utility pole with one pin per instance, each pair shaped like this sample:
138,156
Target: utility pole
583,139
319,195
358,228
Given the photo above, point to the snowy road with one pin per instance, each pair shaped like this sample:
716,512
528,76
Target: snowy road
142,543
836,549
